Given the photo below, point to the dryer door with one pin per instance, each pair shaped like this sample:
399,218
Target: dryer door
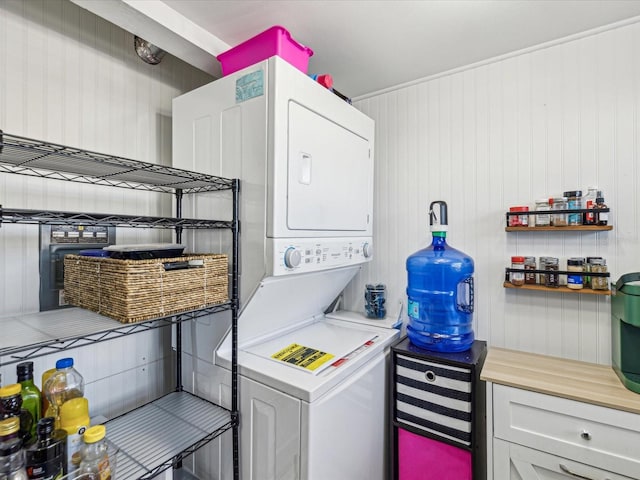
329,174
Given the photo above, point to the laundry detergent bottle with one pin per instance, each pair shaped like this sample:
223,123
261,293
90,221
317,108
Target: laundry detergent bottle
440,292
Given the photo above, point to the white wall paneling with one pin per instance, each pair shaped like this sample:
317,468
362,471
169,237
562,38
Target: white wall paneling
69,77
504,133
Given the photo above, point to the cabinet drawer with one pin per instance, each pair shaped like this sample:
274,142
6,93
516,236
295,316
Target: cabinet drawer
574,430
517,462
433,397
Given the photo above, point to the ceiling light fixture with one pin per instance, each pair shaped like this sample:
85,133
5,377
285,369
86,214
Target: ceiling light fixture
148,51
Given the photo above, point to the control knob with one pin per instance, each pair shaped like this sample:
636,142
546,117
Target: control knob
292,257
367,250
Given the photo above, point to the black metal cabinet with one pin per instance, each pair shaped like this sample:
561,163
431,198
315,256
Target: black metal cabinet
437,410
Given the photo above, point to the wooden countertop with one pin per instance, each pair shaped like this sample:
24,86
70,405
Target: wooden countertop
582,381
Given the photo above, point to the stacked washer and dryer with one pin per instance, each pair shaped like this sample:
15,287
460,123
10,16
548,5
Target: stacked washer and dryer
312,385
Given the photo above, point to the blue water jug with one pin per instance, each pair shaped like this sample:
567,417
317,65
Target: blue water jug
440,292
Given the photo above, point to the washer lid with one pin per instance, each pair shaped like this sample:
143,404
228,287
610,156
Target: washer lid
281,303
315,347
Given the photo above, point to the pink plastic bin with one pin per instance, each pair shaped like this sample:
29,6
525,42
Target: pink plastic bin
274,41
422,458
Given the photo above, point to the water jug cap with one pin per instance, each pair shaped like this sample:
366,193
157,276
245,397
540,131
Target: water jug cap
64,363
442,224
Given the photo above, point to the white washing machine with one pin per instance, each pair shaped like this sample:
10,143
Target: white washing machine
312,386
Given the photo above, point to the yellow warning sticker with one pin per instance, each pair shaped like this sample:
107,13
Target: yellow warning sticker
301,356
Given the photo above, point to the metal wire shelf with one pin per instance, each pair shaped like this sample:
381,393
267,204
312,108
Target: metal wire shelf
157,436
8,215
42,333
36,158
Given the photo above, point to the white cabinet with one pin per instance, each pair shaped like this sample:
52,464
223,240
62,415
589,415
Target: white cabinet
538,436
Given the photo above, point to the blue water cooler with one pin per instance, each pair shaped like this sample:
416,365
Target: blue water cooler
440,291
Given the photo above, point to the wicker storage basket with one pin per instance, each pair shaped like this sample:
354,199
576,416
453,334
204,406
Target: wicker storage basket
135,290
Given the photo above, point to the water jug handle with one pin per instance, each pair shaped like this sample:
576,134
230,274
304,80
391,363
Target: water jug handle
464,307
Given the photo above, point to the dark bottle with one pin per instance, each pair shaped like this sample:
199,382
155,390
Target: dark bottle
31,396
46,459
602,218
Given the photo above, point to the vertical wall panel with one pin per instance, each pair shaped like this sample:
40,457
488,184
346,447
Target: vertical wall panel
69,77
536,124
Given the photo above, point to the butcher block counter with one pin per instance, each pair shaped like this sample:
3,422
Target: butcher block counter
581,381
563,419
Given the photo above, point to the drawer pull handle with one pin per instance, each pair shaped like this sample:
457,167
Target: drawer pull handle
585,435
430,376
577,475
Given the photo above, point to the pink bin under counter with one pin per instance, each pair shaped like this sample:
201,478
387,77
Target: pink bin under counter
422,458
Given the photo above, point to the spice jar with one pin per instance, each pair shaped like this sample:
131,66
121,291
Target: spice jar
517,278
598,265
574,202
10,401
519,220
575,282
542,219
549,265
529,264
559,219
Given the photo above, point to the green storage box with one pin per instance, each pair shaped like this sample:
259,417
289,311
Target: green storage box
625,330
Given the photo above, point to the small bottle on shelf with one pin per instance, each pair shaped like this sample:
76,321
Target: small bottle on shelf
575,282
95,461
589,202
31,397
517,278
602,218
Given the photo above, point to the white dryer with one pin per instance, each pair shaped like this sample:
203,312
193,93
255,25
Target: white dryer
312,388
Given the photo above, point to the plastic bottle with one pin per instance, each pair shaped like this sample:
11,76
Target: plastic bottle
95,455
440,292
31,396
46,410
65,383
74,420
47,458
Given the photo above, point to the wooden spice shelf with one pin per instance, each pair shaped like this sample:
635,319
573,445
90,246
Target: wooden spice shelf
561,289
572,228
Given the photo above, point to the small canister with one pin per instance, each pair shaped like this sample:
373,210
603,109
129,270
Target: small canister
587,268
518,220
517,278
375,298
574,202
550,266
529,264
543,219
559,219
598,265
575,282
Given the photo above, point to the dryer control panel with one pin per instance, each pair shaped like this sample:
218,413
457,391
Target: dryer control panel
290,256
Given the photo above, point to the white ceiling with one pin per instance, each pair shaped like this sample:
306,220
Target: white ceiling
369,45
